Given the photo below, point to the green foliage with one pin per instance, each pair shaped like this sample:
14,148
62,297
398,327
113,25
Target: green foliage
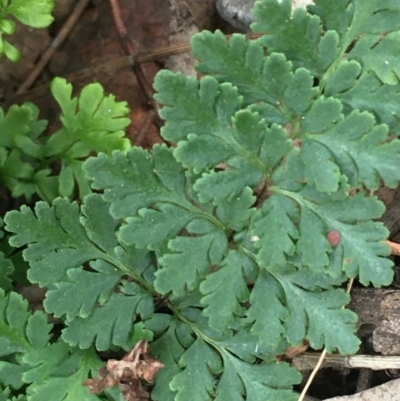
36,14
57,372
21,332
91,123
217,249
6,267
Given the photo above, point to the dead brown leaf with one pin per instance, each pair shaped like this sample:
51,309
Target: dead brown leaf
127,373
291,352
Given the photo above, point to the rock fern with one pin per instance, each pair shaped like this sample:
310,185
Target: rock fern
219,249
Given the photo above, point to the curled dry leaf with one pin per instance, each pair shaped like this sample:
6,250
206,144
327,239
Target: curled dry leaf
128,373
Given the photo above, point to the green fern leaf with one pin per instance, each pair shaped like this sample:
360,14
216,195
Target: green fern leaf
93,118
5,395
316,310
360,238
226,143
367,93
20,329
78,295
169,348
193,112
138,180
224,291
373,17
242,381
20,332
350,217
166,223
6,269
20,126
58,371
198,363
267,322
251,143
193,360
236,212
92,122
342,78
11,374
100,227
279,213
336,16
229,184
238,61
303,316
356,145
110,324
189,262
75,238
36,14
379,55
247,346
279,94
298,36
55,238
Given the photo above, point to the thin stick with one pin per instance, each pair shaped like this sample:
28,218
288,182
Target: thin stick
321,358
116,10
150,116
129,51
312,376
55,44
113,65
308,398
308,360
394,247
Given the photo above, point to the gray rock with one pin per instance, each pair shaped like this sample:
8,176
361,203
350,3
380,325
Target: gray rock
236,12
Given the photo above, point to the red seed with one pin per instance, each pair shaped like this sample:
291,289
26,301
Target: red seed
333,237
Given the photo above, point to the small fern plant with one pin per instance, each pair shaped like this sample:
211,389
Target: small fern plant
232,244
33,163
36,14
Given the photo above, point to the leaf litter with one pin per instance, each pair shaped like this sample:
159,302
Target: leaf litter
128,374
